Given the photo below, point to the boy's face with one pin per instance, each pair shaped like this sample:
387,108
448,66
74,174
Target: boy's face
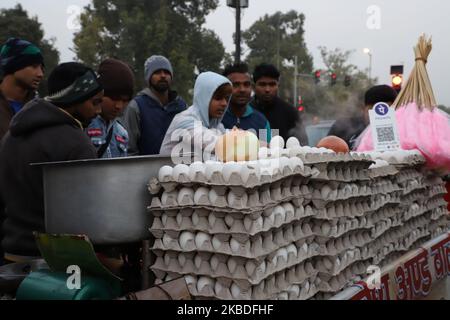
266,89
89,109
112,108
219,102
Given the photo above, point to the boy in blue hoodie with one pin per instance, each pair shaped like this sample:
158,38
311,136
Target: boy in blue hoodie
198,128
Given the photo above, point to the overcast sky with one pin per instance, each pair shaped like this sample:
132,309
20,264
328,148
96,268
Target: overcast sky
389,28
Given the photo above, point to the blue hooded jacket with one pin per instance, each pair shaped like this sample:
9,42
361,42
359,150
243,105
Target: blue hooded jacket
186,125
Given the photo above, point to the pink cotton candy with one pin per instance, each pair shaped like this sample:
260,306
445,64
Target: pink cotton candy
427,131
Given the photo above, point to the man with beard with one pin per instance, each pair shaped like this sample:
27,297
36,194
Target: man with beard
150,114
281,115
45,130
23,70
240,114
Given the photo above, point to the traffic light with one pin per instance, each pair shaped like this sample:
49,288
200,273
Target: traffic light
397,81
397,77
348,81
333,79
317,76
300,105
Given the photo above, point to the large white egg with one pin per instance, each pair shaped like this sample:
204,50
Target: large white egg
181,173
232,265
201,238
292,143
204,283
185,239
230,169
235,291
216,243
201,196
277,142
165,174
197,172
186,197
235,246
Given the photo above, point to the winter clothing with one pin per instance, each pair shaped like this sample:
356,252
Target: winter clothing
251,120
206,85
116,78
348,129
7,111
154,64
82,89
147,121
41,132
98,132
283,117
17,54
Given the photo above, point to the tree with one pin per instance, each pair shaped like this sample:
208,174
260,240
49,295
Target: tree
327,101
15,22
278,39
133,30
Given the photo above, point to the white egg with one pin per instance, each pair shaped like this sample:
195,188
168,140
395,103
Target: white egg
292,143
277,142
167,260
201,239
229,220
190,280
167,240
214,262
235,291
182,260
297,164
292,249
185,197
198,261
230,169
181,173
186,237
218,288
169,199
216,243
250,267
204,283
197,172
283,254
235,246
213,168
195,218
232,265
248,223
201,196
165,174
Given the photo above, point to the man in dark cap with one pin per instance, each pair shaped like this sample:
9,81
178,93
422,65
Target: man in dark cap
46,130
22,66
106,132
350,128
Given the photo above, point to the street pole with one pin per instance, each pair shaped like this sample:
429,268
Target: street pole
370,66
238,31
295,81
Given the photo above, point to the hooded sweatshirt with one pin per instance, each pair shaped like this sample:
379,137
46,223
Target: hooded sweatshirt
41,132
185,125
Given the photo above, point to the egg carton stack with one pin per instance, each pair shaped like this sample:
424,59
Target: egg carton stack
396,224
236,230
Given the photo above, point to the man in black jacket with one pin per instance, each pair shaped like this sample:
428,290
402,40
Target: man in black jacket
46,130
281,115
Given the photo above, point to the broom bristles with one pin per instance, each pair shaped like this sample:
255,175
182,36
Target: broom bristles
418,88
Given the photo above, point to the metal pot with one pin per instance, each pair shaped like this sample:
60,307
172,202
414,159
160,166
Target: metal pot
105,199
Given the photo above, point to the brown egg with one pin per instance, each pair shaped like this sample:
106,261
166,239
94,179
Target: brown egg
334,143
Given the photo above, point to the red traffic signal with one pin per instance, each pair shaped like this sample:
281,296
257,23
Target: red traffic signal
317,76
333,79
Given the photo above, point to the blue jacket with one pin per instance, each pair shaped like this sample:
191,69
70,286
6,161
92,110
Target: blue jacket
147,121
98,132
251,120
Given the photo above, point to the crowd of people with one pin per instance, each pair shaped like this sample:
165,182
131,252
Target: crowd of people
89,115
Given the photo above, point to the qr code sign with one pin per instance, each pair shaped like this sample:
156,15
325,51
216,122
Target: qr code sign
385,134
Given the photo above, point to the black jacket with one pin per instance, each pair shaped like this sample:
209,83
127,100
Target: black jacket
283,117
348,129
40,132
